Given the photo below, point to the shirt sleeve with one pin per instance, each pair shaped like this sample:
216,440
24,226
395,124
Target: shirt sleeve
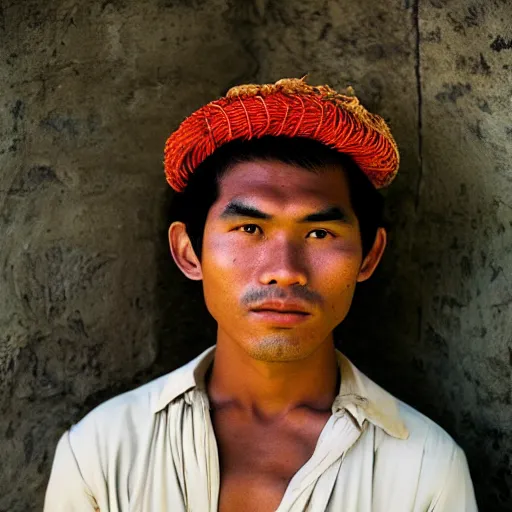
67,490
457,494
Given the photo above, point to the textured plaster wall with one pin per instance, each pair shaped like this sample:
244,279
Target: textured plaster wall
90,302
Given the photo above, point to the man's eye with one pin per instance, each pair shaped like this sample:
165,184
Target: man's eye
251,229
319,233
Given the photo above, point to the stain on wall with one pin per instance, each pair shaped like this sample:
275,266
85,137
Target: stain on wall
90,301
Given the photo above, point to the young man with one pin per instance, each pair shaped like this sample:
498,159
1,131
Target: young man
278,216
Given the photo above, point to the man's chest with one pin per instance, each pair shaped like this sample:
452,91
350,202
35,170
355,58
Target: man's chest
258,461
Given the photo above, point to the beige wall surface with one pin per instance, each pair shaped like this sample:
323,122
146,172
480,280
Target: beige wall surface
90,301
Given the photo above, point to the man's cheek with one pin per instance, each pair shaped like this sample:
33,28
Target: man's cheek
225,254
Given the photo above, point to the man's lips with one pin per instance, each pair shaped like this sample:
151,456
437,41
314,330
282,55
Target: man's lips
282,306
281,312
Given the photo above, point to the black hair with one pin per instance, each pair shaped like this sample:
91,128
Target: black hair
192,206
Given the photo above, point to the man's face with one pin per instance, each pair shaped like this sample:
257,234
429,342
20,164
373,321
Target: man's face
280,259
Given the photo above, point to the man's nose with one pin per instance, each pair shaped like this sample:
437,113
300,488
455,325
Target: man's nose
283,264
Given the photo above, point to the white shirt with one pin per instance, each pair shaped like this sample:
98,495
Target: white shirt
153,449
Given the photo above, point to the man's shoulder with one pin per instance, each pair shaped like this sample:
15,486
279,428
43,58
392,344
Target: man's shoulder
129,413
141,397
399,426
426,461
423,431
428,447
153,396
119,412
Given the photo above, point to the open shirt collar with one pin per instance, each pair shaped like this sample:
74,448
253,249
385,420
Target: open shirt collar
358,395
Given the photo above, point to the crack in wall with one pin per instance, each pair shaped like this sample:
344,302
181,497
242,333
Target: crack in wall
417,68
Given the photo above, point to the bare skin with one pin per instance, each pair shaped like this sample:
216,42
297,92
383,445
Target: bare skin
281,259
263,443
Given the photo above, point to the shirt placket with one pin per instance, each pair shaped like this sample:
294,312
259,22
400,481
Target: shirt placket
338,436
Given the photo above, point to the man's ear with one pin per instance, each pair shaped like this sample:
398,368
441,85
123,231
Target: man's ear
183,252
373,258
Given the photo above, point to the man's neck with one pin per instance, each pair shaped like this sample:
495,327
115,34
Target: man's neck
272,390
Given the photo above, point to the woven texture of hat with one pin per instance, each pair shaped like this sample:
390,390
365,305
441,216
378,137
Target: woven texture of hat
291,108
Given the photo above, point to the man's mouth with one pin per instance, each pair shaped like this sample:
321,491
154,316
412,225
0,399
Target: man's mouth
282,306
280,312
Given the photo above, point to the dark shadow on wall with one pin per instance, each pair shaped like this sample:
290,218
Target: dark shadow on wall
184,327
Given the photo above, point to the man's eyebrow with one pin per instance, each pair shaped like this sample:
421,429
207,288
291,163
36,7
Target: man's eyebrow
332,213
238,209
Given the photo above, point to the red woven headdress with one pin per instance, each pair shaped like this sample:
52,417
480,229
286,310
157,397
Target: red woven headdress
291,108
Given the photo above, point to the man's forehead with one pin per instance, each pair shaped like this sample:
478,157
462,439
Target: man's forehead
274,180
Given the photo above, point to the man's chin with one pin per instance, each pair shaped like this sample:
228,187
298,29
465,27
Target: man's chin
277,349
